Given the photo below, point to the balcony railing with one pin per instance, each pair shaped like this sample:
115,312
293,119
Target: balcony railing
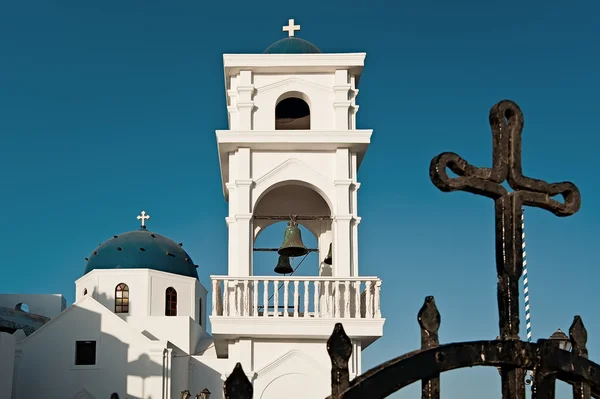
296,297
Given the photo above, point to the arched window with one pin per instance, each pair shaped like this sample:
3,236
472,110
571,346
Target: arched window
122,298
292,113
171,302
84,291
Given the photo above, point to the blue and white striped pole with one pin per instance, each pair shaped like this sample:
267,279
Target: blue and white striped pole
526,291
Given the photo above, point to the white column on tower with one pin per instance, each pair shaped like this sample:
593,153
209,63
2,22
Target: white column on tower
240,216
342,217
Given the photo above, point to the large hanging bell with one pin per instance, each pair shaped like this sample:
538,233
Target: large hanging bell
283,265
292,242
328,259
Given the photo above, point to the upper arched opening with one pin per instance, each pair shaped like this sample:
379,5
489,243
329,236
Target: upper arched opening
292,112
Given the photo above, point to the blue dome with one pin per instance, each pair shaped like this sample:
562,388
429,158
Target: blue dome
142,249
292,45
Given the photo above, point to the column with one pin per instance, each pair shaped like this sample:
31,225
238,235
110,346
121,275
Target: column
342,265
245,104
341,103
240,216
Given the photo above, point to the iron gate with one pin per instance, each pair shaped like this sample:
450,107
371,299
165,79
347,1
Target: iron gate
508,353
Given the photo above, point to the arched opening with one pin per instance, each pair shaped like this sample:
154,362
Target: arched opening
289,291
292,112
121,298
23,307
170,302
84,291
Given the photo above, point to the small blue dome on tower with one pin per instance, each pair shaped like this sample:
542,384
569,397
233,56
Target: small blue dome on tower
291,44
142,249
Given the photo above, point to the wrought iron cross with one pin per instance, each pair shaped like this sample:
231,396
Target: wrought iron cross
506,121
143,217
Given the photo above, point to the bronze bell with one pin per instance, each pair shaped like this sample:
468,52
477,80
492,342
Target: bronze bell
283,265
292,242
328,259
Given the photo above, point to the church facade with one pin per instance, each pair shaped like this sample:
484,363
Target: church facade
143,326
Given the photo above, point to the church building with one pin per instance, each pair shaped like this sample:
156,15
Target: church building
143,326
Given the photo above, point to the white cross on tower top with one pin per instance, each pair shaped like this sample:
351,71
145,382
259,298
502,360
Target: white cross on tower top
291,28
143,217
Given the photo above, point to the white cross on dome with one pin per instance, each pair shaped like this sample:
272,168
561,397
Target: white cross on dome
291,28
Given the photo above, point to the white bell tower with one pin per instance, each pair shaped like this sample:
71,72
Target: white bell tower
293,148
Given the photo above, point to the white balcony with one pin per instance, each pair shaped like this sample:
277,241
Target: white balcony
280,306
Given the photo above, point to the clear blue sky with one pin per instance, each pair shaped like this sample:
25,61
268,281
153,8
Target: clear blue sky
110,107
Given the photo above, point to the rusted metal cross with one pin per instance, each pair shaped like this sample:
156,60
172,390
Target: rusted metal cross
506,121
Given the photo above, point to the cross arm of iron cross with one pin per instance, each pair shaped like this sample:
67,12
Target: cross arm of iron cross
506,121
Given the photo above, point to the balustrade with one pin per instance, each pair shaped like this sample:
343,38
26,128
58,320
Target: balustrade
296,297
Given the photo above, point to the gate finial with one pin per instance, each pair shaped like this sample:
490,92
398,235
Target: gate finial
237,385
339,348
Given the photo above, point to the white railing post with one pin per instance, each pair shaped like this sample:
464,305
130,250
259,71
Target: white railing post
226,298
369,300
286,295
265,298
336,300
276,298
316,307
296,297
357,299
306,294
255,298
327,300
214,297
346,299
237,298
378,299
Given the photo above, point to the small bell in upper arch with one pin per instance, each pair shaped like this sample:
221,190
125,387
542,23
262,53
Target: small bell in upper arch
328,259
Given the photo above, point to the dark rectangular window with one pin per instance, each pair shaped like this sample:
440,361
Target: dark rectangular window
85,353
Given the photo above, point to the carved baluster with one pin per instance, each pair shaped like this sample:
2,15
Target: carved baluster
214,296
275,299
225,297
265,298
377,301
237,385
246,298
578,337
255,298
306,298
316,285
237,297
286,295
339,347
429,321
336,300
346,299
369,300
327,312
296,298
357,300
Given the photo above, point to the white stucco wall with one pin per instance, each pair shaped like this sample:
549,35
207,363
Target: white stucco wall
147,291
127,362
